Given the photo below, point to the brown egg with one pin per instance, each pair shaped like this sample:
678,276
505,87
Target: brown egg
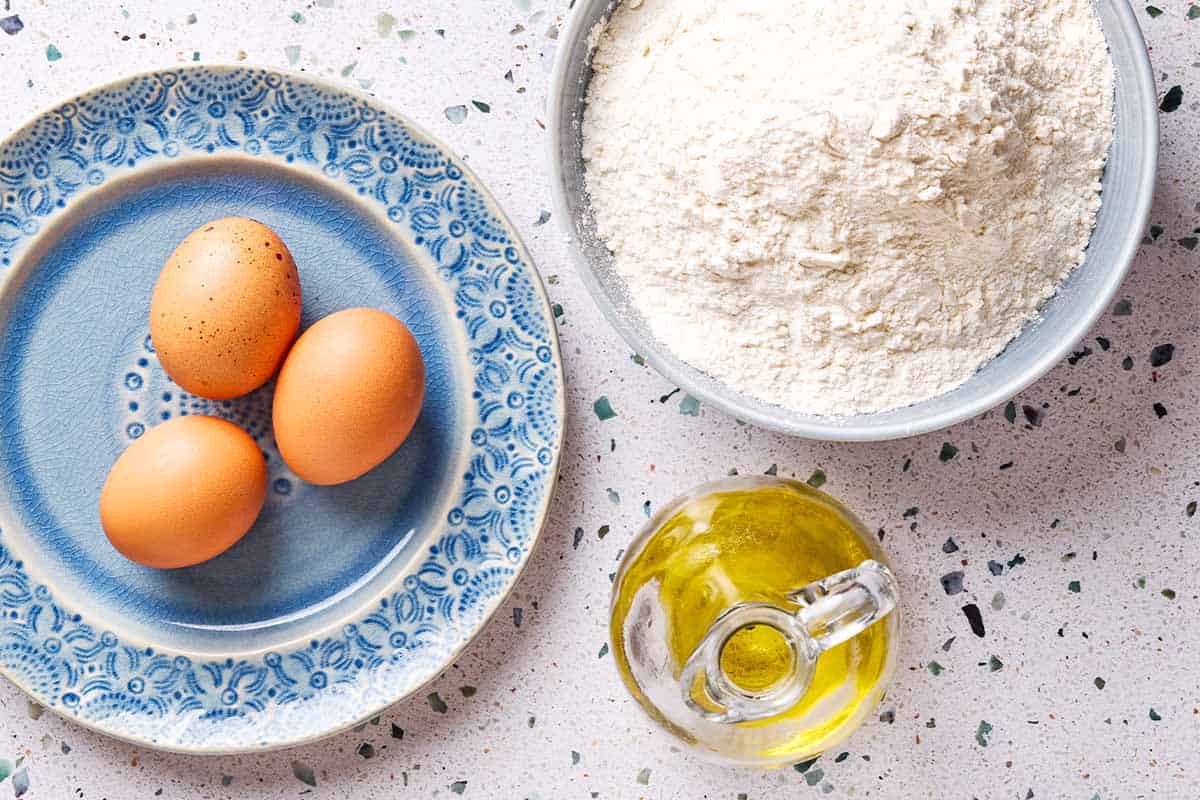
348,395
183,493
226,308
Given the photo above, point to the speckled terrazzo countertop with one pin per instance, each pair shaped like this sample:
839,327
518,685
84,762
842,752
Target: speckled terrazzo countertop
1067,518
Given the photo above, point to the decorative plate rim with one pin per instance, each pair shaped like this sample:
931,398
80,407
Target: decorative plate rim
447,648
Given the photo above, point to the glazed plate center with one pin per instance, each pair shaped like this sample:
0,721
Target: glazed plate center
79,381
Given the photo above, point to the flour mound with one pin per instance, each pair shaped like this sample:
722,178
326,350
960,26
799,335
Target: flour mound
846,207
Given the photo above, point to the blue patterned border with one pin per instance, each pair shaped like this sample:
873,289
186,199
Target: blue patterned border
167,699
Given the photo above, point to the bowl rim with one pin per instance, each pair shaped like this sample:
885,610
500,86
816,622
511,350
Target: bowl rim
850,429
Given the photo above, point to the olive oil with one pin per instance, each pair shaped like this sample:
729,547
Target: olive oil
748,542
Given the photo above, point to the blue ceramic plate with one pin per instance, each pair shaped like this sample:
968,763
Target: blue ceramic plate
342,599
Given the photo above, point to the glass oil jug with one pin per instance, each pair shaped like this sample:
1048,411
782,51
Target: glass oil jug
757,620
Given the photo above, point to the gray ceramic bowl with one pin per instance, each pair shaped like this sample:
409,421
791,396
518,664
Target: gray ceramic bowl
1065,319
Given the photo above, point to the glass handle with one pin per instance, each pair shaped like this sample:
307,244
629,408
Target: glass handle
838,608
832,610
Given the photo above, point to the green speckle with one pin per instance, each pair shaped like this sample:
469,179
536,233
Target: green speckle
456,114
614,496
35,710
998,601
468,691
485,108
936,668
603,408
1140,582
1154,11
1010,412
304,773
1127,363
1193,12
604,529
557,310
437,703
1100,683
983,734
5,768
1171,100
949,451
384,24
643,776
522,5
407,35
1155,716
1169,594
641,362
817,479
689,406
995,664
813,777
1074,586
195,55
292,51
458,787
297,18
349,68
575,757
603,650
53,53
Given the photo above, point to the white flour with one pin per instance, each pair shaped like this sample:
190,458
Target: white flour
846,207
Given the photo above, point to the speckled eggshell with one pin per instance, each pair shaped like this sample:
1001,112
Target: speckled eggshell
183,493
226,308
348,395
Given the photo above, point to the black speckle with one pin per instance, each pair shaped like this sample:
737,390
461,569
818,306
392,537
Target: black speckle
1104,343
1162,354
366,750
1079,355
1032,415
950,546
1123,308
1188,242
1172,99
1160,410
995,567
974,618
